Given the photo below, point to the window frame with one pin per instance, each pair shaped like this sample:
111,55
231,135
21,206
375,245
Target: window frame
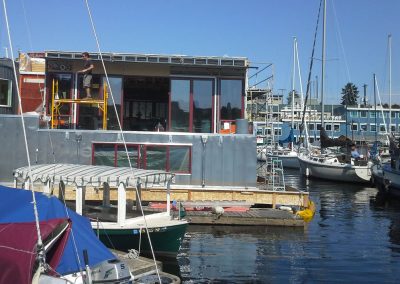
9,92
142,153
191,102
353,113
366,127
338,127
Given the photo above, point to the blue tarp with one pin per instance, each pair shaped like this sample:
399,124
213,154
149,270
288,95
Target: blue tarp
16,207
289,139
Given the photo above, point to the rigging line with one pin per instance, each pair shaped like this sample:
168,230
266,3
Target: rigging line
300,83
28,31
310,70
382,112
50,139
72,231
260,71
340,39
41,253
122,134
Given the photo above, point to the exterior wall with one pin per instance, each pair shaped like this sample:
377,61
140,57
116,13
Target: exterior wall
31,86
12,150
364,116
6,72
230,160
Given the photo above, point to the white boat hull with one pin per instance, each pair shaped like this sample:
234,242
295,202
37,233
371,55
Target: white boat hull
289,160
334,171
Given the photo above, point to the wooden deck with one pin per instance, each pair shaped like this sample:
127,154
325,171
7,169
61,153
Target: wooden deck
290,197
253,217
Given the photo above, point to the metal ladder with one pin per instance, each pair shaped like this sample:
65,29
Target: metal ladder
276,178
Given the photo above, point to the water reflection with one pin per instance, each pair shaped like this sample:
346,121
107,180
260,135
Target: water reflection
354,237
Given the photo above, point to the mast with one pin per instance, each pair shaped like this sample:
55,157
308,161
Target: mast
376,126
293,77
390,81
323,66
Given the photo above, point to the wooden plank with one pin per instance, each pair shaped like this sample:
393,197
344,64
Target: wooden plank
253,196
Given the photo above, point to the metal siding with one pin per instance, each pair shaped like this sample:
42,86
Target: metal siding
12,150
230,159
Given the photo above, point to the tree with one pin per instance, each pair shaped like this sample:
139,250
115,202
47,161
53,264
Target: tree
395,106
289,98
350,95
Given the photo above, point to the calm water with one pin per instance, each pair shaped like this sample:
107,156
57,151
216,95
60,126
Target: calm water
354,237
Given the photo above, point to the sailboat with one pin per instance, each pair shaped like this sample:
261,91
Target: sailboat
325,164
69,243
287,154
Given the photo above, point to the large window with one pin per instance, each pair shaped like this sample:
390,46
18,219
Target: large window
174,158
122,157
156,158
116,88
179,159
5,92
202,106
231,99
104,155
363,113
191,105
180,105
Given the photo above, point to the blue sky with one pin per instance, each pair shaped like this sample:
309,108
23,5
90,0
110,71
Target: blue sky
261,30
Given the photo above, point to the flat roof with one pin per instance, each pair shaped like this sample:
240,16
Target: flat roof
237,62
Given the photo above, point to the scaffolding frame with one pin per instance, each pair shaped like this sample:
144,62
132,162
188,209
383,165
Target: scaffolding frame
56,104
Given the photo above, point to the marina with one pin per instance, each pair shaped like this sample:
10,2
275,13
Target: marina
172,165
354,233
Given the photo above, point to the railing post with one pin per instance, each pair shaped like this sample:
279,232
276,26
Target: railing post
80,199
121,214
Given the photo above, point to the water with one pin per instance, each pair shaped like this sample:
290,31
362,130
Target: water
354,237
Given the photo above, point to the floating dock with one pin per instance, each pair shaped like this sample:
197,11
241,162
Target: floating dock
252,217
144,269
259,196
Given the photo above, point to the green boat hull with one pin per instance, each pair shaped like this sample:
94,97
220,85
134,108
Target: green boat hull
166,241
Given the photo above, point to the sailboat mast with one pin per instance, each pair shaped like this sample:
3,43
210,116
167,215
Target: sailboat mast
293,77
323,66
390,81
376,123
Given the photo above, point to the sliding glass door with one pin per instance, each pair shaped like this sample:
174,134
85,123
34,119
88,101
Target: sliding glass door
180,106
191,102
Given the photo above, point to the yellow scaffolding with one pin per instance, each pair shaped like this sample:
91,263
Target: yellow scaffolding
56,104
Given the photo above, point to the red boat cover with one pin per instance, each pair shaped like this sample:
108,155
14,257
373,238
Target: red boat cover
18,249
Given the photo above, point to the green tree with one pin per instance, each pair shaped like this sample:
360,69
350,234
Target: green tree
289,98
350,95
395,106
